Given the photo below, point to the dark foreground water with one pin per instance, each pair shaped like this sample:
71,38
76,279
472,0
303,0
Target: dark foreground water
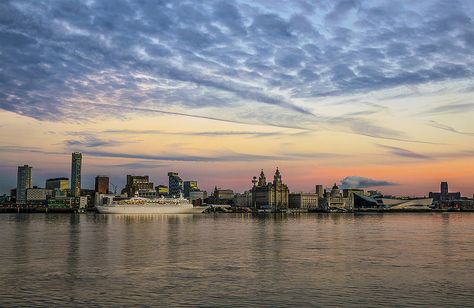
237,260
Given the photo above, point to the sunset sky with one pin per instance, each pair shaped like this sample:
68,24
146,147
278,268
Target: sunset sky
374,94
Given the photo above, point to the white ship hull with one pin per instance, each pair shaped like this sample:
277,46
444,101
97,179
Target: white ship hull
149,209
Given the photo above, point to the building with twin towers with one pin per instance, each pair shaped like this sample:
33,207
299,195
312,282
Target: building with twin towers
269,195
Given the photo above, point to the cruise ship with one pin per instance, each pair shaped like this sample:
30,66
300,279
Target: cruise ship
138,205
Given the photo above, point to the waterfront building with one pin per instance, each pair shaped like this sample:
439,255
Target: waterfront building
61,184
302,200
319,191
38,196
162,190
335,200
189,186
175,186
349,196
444,194
67,202
223,194
136,183
76,165
362,201
197,197
102,184
23,182
272,194
244,199
405,203
346,192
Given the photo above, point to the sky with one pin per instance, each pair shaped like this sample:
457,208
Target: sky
369,94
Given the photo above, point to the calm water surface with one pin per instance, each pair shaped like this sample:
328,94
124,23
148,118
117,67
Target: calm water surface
237,260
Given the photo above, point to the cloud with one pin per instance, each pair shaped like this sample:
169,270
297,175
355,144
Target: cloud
341,9
221,157
450,128
202,133
72,61
400,152
362,182
452,108
139,165
91,142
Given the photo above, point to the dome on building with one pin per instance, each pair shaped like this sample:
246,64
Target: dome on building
335,191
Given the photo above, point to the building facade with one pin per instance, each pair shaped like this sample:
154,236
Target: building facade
244,199
272,194
76,165
302,200
334,200
102,184
175,184
319,190
223,194
444,194
189,186
38,196
23,182
197,197
61,184
162,190
136,183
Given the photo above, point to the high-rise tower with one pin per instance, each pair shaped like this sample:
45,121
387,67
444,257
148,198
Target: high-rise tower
23,182
76,165
444,190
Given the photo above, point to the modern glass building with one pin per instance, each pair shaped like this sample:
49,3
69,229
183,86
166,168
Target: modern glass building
76,165
175,184
189,186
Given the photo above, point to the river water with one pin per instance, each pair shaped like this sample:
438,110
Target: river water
237,260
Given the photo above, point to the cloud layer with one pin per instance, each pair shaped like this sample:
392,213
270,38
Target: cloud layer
78,59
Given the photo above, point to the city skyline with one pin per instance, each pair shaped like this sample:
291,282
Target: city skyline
103,185
371,93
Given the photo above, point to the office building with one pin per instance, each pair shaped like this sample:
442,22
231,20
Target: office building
223,194
175,184
302,200
162,190
136,183
76,165
244,199
23,182
272,194
38,196
197,197
189,186
102,184
61,184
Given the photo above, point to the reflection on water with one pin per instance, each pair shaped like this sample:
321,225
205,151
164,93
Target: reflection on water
237,259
